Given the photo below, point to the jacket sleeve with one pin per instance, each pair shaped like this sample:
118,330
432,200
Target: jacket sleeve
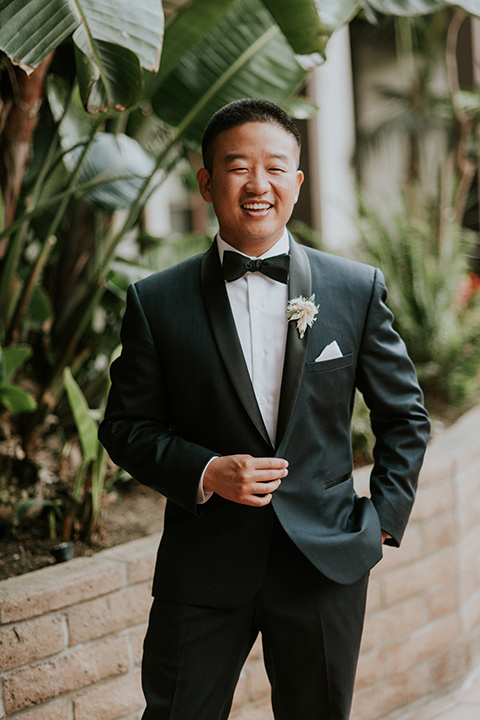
387,379
136,430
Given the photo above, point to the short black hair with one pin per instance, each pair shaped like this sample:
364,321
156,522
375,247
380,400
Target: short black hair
238,113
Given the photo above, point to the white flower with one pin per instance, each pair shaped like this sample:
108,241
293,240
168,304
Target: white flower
304,311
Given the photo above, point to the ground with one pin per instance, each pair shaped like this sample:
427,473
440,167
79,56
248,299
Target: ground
135,512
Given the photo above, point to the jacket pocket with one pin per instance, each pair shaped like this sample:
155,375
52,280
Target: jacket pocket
333,364
337,481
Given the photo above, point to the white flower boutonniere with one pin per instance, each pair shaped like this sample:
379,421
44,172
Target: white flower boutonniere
304,311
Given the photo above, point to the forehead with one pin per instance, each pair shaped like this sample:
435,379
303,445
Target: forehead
255,139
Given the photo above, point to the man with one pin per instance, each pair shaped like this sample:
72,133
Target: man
239,413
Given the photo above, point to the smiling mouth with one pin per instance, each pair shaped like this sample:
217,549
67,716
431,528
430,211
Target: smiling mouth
256,206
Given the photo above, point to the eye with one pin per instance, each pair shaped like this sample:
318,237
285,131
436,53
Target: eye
276,170
239,170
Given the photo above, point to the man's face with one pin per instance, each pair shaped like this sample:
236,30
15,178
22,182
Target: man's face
254,184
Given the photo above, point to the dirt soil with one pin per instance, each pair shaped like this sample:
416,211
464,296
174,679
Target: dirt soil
137,512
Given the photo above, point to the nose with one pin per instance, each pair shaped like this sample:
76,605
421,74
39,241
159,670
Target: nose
257,182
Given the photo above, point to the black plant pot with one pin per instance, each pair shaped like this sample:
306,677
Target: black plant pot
62,552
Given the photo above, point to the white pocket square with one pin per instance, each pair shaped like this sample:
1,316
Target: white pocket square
330,352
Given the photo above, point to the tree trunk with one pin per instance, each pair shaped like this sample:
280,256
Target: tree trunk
15,142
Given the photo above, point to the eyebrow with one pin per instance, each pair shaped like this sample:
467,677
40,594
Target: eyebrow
241,156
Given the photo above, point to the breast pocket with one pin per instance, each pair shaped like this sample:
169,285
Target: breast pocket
330,383
328,365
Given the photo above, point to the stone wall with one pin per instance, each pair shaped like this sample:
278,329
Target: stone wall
422,631
71,634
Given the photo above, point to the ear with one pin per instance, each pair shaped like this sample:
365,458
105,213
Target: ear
300,179
204,184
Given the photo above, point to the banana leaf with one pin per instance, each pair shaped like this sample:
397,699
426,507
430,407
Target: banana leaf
31,29
136,26
418,7
114,41
245,55
185,27
74,123
307,24
301,108
116,167
109,76
404,7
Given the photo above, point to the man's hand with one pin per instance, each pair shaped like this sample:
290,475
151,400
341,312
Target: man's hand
385,536
245,479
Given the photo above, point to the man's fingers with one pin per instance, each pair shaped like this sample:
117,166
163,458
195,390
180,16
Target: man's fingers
269,475
263,488
269,463
258,500
245,479
266,469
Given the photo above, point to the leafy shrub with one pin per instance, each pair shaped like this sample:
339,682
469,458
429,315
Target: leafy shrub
432,294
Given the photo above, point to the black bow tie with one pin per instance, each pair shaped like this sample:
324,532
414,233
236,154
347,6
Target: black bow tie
236,265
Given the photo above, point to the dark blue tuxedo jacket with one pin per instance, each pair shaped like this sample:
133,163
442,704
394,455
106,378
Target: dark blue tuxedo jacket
181,393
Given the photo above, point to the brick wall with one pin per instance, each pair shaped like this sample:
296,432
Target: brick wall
422,631
71,635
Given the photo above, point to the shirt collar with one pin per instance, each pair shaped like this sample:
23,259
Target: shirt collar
281,247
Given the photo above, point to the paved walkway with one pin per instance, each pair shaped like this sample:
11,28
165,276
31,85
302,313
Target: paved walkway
462,704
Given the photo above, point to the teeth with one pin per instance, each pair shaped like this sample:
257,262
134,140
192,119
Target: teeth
256,206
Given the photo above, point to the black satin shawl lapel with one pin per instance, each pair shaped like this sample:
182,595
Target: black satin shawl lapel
299,283
223,326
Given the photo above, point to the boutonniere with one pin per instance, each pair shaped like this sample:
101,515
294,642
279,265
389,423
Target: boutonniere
304,311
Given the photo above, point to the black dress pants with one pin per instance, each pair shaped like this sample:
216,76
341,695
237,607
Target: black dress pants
311,630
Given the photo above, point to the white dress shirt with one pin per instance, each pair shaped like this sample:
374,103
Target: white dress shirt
258,305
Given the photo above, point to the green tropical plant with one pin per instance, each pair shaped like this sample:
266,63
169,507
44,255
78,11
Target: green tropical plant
26,506
108,58
105,113
422,246
363,439
422,109
436,309
90,478
70,243
77,506
13,397
64,214
418,108
98,63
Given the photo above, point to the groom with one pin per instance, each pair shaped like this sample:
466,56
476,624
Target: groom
239,413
